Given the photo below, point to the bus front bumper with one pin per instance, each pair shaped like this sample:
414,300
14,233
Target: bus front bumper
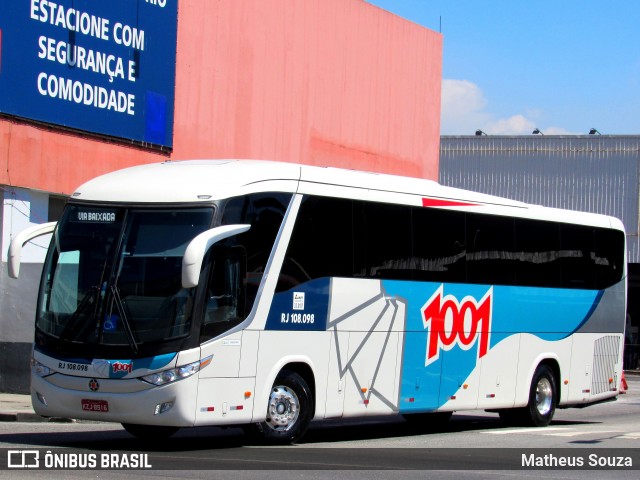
173,404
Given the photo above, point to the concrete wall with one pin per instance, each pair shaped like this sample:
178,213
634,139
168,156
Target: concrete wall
22,208
17,317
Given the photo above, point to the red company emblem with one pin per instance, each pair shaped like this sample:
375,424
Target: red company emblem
94,385
451,322
121,367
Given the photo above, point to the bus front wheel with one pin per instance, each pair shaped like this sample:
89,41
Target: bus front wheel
289,411
543,398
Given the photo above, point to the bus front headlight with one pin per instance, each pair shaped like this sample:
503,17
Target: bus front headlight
174,374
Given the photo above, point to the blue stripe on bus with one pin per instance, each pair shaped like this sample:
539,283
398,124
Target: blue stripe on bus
304,307
549,314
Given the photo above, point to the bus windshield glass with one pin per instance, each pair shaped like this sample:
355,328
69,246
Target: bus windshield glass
112,280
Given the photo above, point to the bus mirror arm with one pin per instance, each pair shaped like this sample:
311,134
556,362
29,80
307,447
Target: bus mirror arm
198,247
15,248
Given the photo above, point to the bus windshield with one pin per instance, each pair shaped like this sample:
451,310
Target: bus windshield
112,280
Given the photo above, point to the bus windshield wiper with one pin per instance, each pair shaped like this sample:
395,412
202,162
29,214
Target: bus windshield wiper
84,305
125,319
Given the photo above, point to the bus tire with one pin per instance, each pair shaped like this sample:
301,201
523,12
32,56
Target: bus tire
543,398
150,432
289,411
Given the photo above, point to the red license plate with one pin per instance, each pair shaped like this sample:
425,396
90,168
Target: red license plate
95,405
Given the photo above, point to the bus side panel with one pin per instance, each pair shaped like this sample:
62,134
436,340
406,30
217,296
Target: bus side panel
336,381
458,390
447,334
596,367
581,367
370,377
249,353
533,351
279,348
226,356
367,336
471,346
224,401
498,377
222,388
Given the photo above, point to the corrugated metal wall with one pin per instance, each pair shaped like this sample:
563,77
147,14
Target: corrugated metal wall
592,173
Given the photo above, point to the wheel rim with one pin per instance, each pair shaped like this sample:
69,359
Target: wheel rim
544,396
284,408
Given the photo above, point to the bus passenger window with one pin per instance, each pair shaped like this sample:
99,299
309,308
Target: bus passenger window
321,244
439,245
490,247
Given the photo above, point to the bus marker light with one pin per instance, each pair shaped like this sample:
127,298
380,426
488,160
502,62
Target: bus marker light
491,395
586,391
566,382
237,407
453,397
366,402
364,389
247,394
411,400
208,409
205,361
465,386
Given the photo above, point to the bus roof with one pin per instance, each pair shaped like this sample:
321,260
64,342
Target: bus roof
201,181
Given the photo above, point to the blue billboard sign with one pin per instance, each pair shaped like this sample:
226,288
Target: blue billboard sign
106,67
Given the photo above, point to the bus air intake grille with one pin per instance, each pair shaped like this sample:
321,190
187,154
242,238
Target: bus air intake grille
605,358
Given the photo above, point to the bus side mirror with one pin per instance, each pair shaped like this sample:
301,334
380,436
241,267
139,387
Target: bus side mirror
198,247
15,248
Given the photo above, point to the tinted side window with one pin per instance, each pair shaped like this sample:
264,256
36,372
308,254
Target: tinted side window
439,245
490,249
609,257
577,256
387,235
349,238
537,253
321,244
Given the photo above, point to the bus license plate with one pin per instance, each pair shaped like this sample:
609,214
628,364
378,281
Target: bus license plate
95,405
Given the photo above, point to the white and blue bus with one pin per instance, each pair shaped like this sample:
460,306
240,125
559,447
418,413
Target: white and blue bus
271,294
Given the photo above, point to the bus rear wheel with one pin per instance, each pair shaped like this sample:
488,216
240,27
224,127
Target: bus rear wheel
543,398
289,411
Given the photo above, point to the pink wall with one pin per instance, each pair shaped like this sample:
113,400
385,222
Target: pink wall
321,82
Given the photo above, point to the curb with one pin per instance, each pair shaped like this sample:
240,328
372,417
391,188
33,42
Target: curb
30,417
